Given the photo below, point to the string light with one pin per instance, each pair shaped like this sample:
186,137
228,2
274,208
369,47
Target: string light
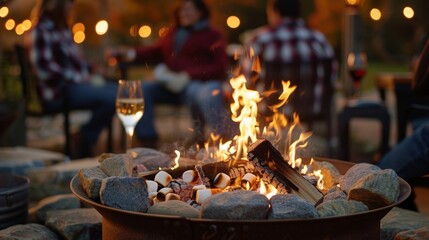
233,22
101,27
408,12
79,37
145,31
4,11
375,14
78,27
10,24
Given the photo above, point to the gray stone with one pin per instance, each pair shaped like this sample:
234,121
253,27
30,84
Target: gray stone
291,206
355,173
58,202
377,189
340,207
418,234
31,231
331,175
236,205
400,220
151,158
174,207
128,193
55,179
91,179
82,224
335,195
117,165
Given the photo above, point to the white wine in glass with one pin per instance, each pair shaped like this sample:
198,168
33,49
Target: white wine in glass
129,105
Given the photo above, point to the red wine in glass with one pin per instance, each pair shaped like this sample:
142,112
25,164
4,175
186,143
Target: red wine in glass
356,63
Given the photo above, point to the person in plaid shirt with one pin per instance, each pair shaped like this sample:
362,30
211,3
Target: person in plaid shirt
289,50
59,66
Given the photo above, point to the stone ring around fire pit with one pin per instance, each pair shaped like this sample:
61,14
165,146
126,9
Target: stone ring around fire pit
122,224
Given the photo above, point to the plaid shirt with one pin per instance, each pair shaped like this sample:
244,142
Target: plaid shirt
56,59
292,51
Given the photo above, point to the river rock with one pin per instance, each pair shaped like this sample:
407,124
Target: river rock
377,189
355,173
83,223
58,202
335,195
340,207
117,165
236,205
421,233
31,231
174,207
91,179
150,158
400,220
128,193
291,206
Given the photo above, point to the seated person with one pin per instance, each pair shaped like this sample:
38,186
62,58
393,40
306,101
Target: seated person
410,158
59,66
191,65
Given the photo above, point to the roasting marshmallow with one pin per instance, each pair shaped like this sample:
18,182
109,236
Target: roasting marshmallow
221,180
203,194
190,176
163,192
172,196
152,186
152,194
248,180
163,178
195,189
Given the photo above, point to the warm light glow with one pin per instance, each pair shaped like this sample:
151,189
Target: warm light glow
145,31
78,27
101,27
353,2
79,37
26,24
408,12
162,31
19,29
4,11
10,24
233,22
375,14
134,30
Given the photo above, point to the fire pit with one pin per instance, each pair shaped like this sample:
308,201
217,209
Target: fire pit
121,224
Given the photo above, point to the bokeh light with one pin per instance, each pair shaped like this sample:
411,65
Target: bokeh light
375,14
162,31
408,12
145,31
233,22
79,37
9,24
4,11
134,30
101,27
78,27
19,29
26,24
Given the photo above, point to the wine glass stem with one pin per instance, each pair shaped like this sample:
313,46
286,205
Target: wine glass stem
130,133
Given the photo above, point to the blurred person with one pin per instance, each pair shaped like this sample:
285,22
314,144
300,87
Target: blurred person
190,65
289,50
59,66
410,158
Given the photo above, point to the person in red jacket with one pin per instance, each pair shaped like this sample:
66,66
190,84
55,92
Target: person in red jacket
190,64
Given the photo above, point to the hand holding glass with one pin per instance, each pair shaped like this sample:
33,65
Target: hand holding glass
129,105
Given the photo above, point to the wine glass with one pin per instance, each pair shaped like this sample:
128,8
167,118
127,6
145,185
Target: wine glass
129,105
357,64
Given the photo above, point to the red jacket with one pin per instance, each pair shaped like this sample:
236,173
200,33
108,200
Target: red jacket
203,54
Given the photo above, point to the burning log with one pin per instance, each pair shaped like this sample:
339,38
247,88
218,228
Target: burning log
274,169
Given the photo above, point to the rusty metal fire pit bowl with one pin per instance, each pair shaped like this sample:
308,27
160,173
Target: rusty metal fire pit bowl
120,224
13,200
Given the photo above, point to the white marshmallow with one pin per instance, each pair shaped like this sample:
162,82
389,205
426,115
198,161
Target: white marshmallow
221,180
248,178
195,189
203,194
152,186
162,193
189,176
163,178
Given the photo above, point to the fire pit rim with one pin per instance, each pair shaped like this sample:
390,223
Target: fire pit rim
405,191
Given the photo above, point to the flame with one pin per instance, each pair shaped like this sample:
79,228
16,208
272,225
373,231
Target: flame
320,182
270,192
176,160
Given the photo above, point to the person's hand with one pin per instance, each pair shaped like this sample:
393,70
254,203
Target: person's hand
173,81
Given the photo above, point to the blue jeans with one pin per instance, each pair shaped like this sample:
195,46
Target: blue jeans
410,158
100,100
205,100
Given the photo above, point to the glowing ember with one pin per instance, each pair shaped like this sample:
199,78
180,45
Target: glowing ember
176,160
